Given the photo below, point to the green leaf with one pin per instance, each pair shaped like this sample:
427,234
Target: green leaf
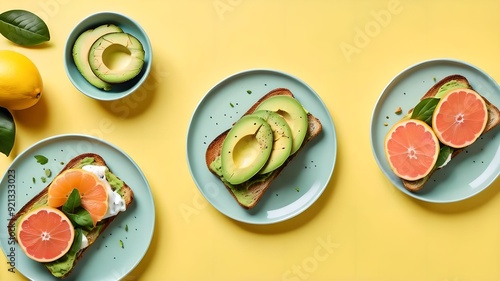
73,202
424,109
7,131
72,208
41,159
77,242
23,28
82,218
444,154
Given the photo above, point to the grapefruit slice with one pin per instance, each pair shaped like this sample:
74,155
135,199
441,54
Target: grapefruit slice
412,149
45,234
93,192
459,118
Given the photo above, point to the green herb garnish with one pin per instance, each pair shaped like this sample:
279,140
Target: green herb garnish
424,110
41,159
78,215
444,153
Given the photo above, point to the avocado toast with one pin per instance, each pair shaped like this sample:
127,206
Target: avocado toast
440,89
63,266
248,189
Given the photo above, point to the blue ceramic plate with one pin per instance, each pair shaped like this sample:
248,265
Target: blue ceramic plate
471,171
300,183
22,181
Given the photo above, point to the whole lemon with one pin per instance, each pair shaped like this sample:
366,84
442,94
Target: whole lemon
20,82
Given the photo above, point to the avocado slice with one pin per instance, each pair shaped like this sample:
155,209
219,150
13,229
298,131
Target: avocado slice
282,140
81,50
246,149
116,57
294,114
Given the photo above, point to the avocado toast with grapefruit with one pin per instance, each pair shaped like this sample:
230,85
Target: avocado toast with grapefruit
251,154
59,224
449,117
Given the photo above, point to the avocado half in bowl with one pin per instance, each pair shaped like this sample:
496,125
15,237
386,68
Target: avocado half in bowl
107,56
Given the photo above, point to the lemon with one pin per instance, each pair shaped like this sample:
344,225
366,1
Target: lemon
20,82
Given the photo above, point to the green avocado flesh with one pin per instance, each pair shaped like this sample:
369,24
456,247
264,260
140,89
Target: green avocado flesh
81,50
246,149
282,140
64,264
451,85
239,191
294,114
116,57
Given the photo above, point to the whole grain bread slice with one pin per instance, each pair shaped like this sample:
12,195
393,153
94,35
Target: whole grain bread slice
493,121
41,199
254,191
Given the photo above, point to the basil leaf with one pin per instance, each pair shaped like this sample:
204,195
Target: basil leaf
23,28
77,242
41,159
7,131
82,218
444,153
73,202
424,109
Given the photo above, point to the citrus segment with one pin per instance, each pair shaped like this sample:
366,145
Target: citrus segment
45,234
412,149
459,118
93,192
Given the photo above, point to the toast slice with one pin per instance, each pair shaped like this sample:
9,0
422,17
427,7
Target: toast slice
493,121
41,199
248,194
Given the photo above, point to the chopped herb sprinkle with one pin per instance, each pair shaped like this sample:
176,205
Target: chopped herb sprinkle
41,159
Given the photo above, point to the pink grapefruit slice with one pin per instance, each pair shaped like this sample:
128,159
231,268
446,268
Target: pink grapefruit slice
412,149
45,234
459,118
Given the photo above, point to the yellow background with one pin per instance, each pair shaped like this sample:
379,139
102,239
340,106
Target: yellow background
375,232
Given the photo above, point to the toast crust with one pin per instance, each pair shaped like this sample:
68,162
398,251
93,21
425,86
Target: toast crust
256,190
493,121
126,192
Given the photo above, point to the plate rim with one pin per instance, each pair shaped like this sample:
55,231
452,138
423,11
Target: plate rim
234,75
383,94
53,138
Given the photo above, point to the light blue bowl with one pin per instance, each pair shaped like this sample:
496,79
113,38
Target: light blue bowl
118,91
